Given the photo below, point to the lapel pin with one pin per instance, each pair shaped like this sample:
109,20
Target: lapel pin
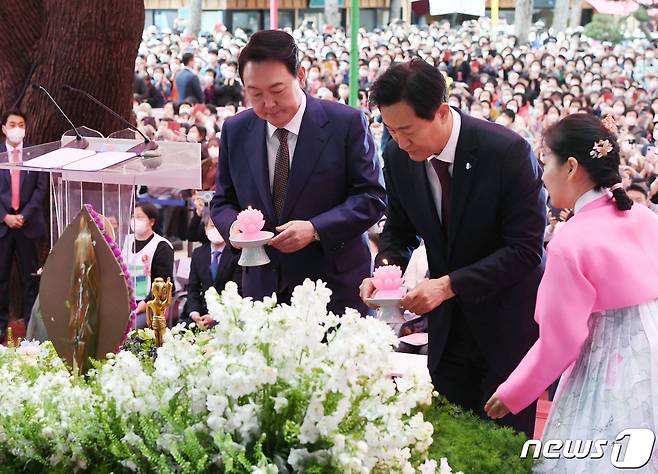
468,166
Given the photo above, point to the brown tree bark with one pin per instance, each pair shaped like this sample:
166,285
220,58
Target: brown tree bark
87,44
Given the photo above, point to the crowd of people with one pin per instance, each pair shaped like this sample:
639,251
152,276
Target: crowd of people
186,88
574,135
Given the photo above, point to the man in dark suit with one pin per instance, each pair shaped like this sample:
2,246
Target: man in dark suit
21,218
188,84
472,191
213,264
310,167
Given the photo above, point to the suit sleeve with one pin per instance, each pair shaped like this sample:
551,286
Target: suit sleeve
195,287
523,220
224,206
366,198
565,301
35,203
196,89
399,237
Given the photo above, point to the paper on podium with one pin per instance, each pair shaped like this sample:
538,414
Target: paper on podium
58,158
100,161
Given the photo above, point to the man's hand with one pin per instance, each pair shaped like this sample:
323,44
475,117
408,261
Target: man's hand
294,236
14,221
204,321
366,291
234,231
495,408
428,295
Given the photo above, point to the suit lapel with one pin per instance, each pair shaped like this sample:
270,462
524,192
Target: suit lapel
5,173
462,175
256,152
313,136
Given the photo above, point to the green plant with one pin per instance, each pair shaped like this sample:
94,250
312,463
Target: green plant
605,28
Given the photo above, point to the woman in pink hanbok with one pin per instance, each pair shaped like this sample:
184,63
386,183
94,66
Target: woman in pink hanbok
597,304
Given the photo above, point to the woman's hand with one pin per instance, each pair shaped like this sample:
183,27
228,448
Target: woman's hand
495,408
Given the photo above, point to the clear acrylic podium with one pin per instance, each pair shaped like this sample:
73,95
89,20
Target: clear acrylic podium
111,191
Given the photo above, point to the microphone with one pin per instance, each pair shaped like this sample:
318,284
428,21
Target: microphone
148,145
79,141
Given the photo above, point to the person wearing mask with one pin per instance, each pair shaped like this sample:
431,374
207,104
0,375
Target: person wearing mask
21,219
209,86
213,265
162,88
187,82
506,118
230,89
148,256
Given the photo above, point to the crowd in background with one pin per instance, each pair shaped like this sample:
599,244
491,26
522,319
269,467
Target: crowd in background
185,89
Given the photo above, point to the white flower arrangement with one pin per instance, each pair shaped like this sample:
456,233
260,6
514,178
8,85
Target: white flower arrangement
269,389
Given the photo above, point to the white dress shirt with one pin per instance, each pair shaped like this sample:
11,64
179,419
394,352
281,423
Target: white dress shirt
293,132
10,150
447,155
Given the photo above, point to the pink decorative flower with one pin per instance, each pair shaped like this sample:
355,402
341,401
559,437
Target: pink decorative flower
251,222
388,281
124,268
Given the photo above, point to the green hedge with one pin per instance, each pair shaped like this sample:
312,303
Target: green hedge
473,445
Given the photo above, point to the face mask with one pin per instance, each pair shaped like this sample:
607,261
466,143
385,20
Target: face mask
214,236
157,77
184,111
630,122
229,74
139,227
192,138
313,76
213,152
306,65
16,134
618,110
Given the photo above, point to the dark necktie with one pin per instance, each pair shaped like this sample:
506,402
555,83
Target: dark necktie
214,264
442,171
281,171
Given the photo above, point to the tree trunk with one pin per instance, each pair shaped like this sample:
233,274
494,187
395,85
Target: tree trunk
576,14
396,10
560,15
331,13
89,45
194,22
523,19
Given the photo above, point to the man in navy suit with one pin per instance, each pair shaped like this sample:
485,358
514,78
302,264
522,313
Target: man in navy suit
213,264
310,167
472,191
21,219
188,84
